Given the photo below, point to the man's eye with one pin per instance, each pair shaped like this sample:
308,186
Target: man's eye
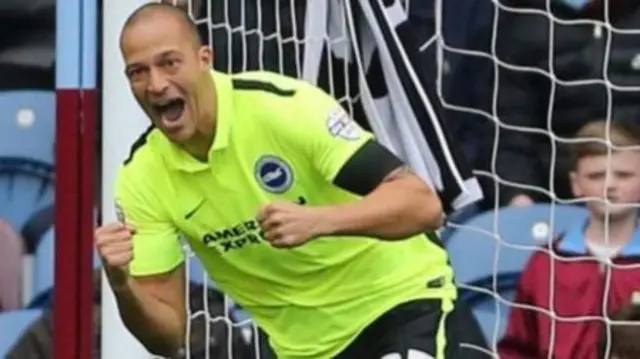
134,73
170,63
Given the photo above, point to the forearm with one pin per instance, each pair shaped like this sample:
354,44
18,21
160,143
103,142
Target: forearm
154,323
392,211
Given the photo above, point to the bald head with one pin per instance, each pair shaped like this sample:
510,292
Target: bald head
166,12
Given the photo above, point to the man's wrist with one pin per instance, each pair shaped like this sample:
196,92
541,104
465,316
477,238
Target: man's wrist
328,223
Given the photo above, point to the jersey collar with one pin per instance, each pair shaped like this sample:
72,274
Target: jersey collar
181,160
224,92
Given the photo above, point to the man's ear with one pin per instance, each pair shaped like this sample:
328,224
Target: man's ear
205,55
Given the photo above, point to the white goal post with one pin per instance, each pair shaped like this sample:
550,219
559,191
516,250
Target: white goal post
122,122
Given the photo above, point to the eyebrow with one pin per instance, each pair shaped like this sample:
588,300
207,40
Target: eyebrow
167,53
162,55
130,67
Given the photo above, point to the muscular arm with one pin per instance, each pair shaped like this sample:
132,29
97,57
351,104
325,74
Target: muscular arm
153,309
150,288
396,204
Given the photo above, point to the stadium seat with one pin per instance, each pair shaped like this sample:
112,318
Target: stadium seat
27,125
44,263
27,135
518,232
26,185
490,250
12,325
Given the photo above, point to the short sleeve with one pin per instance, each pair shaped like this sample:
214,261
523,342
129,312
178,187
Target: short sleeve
156,244
325,131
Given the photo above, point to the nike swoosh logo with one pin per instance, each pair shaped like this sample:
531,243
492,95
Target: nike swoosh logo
193,211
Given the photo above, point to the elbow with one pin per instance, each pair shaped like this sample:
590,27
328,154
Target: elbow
163,349
429,214
422,212
158,351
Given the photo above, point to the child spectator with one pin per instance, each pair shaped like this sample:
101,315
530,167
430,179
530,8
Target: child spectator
625,335
573,33
586,274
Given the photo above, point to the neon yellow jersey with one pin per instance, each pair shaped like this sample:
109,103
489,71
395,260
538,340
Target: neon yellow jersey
277,139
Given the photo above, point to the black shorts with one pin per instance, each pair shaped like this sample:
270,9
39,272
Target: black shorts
413,330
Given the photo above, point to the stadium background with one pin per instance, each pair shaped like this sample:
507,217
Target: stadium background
88,28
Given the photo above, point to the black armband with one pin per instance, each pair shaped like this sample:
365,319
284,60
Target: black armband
367,168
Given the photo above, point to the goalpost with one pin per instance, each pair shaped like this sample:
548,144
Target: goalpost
76,104
123,121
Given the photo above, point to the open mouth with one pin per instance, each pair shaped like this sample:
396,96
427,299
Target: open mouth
172,110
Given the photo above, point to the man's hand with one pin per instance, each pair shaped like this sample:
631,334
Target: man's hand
151,306
288,225
115,247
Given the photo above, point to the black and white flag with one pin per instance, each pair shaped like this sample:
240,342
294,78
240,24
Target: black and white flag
396,95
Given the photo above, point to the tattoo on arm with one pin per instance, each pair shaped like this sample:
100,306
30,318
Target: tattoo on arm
400,172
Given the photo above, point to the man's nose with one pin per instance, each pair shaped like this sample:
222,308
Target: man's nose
612,185
158,83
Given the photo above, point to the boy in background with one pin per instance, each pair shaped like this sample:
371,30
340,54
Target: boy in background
588,276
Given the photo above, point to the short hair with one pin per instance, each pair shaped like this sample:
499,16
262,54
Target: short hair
599,137
624,337
150,8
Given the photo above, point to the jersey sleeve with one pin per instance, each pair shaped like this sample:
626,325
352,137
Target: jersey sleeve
325,131
156,244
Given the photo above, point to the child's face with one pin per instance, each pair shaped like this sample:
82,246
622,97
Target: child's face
622,185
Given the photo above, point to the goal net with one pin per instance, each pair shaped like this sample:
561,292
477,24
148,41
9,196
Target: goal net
271,35
534,81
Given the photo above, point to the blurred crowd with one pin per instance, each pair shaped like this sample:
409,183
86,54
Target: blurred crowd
542,96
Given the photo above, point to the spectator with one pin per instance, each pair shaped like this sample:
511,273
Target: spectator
581,51
11,252
588,263
624,336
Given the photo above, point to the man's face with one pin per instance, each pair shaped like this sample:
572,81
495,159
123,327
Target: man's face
165,68
621,188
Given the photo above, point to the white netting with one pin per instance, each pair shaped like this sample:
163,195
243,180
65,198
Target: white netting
255,35
250,35
493,236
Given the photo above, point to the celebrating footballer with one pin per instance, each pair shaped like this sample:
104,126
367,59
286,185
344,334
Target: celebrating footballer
322,234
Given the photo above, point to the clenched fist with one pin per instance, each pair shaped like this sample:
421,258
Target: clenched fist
115,247
288,225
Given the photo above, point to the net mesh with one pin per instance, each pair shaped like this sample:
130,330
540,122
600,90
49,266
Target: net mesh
556,218
254,35
266,35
